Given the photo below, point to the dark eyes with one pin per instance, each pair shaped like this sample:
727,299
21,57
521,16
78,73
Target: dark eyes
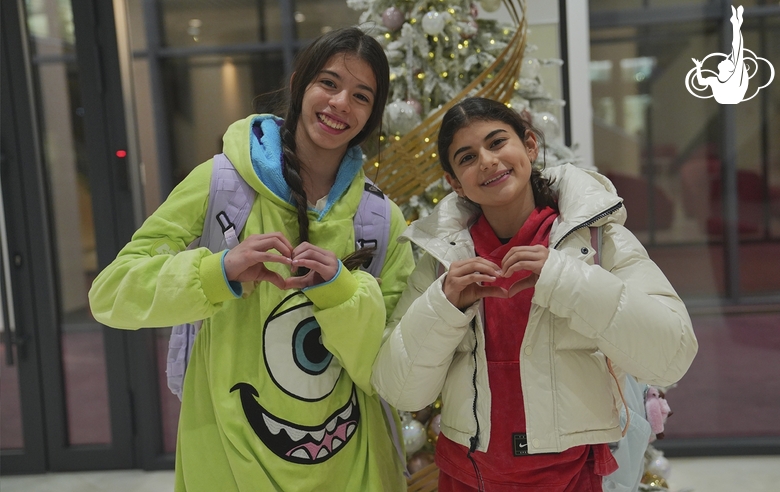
493,144
332,85
466,158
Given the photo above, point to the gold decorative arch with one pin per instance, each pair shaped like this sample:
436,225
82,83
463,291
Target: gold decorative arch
409,165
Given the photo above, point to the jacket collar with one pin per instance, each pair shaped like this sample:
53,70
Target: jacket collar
585,198
266,158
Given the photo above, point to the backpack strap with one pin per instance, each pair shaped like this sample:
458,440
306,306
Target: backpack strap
596,240
230,201
372,226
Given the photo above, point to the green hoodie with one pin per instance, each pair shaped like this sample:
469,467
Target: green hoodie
277,394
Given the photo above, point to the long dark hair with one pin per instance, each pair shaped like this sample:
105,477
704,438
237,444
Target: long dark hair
480,109
349,41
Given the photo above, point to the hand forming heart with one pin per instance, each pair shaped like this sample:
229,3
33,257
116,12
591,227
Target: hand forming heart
473,279
246,262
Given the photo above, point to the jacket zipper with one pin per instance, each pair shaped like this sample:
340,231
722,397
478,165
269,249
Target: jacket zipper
590,221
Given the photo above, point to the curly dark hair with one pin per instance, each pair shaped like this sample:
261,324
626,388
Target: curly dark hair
481,109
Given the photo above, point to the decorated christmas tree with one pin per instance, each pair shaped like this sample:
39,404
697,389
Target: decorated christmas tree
441,51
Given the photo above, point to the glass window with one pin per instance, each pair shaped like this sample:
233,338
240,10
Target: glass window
59,94
758,162
663,149
206,23
315,17
206,94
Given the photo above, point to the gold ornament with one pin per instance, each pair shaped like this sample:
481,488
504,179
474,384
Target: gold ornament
405,176
434,429
654,480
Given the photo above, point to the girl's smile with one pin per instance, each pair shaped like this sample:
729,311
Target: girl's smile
335,107
492,168
499,178
332,124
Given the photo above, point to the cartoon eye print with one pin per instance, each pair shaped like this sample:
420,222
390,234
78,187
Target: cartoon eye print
295,357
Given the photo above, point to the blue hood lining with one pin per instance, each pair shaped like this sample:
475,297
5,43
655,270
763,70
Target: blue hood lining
265,149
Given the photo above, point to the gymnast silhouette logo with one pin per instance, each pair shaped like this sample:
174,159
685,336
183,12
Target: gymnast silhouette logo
730,84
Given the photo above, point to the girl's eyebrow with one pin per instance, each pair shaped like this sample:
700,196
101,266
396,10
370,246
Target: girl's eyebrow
335,75
487,137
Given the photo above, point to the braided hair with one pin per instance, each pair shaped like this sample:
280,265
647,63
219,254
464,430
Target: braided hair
350,41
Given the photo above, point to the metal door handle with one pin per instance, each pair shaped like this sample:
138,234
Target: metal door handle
9,317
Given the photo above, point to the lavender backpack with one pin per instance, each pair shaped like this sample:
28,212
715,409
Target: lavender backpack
230,201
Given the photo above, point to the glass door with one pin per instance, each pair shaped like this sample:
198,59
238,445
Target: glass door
68,392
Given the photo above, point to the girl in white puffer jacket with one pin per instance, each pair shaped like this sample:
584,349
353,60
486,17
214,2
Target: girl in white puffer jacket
510,319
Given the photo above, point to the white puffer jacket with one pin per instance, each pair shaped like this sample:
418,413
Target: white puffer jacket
581,314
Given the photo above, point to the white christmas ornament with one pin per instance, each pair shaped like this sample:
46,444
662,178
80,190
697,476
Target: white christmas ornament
433,23
530,69
401,117
414,436
415,104
393,19
660,466
490,5
469,29
548,124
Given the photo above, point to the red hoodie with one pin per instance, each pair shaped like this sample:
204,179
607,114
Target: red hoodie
506,465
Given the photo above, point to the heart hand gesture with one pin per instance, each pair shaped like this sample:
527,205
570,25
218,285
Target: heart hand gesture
246,262
466,281
473,279
527,261
322,264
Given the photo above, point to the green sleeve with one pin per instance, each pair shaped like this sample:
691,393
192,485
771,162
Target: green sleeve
352,330
154,281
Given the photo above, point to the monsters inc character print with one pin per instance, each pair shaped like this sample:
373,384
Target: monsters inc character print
302,368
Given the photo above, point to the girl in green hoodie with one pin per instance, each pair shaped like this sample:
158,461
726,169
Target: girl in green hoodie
277,393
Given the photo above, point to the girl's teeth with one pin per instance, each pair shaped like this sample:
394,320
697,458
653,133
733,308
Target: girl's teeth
332,123
496,178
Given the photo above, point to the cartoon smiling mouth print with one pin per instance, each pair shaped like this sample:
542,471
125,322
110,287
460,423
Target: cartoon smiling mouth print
306,445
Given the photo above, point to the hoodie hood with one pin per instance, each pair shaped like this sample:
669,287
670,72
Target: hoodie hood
584,198
260,163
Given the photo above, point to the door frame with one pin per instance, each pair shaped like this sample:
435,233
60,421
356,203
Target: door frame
20,176
34,283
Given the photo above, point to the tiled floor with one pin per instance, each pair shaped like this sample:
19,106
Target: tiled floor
743,474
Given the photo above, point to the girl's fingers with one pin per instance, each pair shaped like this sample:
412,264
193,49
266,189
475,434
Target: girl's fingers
265,242
531,266
298,282
520,286
529,257
308,247
277,280
324,257
476,265
473,278
264,257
